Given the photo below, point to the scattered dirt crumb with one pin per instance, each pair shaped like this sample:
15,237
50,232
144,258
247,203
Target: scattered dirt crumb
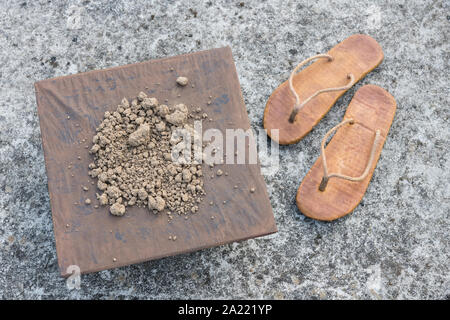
252,190
182,81
117,209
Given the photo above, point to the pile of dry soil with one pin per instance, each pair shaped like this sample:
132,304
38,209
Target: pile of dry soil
133,163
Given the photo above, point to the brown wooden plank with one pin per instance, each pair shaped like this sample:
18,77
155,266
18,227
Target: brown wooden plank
91,238
348,152
358,54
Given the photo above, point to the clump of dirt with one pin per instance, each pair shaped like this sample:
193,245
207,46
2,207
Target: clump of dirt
133,163
182,81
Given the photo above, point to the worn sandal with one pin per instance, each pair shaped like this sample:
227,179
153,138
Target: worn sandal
338,180
299,103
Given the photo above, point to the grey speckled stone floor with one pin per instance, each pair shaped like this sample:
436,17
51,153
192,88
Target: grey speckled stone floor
396,243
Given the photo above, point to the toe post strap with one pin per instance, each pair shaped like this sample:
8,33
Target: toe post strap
326,176
323,183
299,105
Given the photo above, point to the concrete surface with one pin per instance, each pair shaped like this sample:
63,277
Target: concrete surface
394,246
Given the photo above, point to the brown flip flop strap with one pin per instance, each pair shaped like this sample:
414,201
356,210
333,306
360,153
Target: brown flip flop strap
298,106
326,176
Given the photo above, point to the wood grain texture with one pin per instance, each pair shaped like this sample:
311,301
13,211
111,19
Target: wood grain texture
348,152
358,54
91,238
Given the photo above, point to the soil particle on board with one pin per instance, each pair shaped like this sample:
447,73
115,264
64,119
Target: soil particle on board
133,163
140,136
156,203
117,209
182,81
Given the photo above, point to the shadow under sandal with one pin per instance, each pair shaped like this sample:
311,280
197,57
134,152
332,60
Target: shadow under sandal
337,181
299,103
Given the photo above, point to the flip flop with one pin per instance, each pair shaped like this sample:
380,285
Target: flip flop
337,181
299,103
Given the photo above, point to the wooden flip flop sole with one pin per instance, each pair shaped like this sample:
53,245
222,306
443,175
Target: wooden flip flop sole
358,55
372,108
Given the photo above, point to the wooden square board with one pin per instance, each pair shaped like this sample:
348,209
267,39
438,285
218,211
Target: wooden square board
71,107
